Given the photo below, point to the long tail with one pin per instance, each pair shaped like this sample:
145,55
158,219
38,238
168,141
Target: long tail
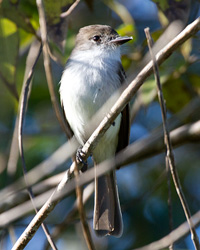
107,211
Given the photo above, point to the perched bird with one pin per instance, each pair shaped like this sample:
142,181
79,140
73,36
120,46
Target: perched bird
93,73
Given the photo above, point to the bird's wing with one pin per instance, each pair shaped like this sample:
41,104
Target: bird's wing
70,133
124,132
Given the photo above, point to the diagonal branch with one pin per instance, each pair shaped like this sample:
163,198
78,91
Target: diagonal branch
71,216
174,236
133,153
137,151
70,10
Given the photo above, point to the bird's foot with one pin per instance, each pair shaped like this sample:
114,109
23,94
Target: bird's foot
79,158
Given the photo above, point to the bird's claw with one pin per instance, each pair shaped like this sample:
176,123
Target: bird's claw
79,158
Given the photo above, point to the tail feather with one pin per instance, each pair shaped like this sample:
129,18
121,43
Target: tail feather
107,211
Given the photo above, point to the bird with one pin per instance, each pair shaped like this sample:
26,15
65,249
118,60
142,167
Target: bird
93,73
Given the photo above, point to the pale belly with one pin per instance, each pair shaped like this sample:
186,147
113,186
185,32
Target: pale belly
85,106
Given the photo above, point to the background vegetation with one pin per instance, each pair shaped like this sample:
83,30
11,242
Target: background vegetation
142,184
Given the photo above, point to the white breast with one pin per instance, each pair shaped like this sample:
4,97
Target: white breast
88,82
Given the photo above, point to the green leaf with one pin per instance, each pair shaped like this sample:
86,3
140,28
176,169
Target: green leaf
176,94
15,14
57,26
120,10
148,90
194,79
163,4
127,30
186,49
9,40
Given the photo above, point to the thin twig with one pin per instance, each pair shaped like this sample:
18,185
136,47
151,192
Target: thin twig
70,10
170,211
71,216
165,128
125,97
85,227
173,237
43,169
170,156
14,151
23,106
47,66
12,234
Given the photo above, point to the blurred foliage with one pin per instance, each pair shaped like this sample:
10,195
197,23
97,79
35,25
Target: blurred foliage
21,14
9,40
142,187
174,9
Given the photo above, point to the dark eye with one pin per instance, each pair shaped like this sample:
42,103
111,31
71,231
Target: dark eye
96,38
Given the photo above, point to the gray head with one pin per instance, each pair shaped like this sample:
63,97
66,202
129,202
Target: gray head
99,36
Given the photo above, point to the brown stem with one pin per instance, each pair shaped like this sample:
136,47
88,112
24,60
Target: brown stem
168,144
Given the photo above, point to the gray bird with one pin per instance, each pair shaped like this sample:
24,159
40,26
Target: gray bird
90,82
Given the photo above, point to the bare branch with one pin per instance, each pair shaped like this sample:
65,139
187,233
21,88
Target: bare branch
12,234
14,151
141,149
87,192
133,153
47,66
23,101
153,144
23,106
43,169
85,227
169,150
70,10
174,236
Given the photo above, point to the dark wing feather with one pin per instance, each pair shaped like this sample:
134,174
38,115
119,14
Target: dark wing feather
69,131
124,131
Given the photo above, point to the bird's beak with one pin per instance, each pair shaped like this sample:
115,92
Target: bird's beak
121,40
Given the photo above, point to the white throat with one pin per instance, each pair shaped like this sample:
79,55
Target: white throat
98,53
89,80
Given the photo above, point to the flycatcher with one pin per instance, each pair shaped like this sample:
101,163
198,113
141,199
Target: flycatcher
91,78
